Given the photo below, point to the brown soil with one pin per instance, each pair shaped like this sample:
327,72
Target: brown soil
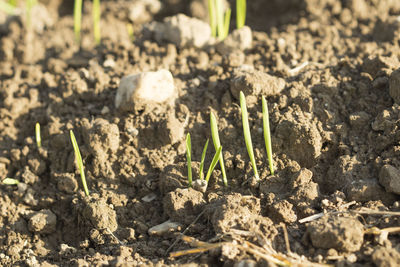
334,124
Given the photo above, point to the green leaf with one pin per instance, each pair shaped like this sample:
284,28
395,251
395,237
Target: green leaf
267,135
77,20
79,161
240,13
247,135
213,163
10,181
217,144
38,137
203,158
189,158
96,21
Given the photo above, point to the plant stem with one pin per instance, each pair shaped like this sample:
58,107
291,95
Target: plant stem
77,20
96,21
38,137
267,135
79,161
217,144
203,157
189,158
247,135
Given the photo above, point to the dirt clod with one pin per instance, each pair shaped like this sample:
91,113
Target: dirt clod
389,177
100,215
343,234
43,222
184,205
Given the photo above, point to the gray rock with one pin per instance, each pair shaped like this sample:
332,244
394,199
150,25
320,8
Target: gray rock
239,39
255,83
389,177
43,222
137,91
183,31
394,86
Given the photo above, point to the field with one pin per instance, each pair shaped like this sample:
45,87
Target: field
329,71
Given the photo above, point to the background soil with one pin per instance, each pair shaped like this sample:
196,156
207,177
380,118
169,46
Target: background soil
334,123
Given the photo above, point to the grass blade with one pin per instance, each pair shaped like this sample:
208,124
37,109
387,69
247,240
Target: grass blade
38,137
267,135
79,161
240,13
189,158
96,21
247,135
213,163
220,18
8,8
12,3
77,20
10,181
213,17
217,144
203,158
226,23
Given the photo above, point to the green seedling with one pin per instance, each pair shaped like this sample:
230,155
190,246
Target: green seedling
77,20
240,13
217,144
129,29
10,181
219,20
267,135
203,157
79,161
247,135
29,5
12,2
213,17
38,137
227,19
8,8
213,163
189,158
96,21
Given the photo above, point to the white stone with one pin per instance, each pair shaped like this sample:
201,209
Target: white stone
164,228
239,39
137,91
183,31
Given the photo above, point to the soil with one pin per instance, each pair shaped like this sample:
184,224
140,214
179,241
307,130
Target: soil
330,71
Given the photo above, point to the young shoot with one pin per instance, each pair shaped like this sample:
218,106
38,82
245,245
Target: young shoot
29,5
247,135
10,181
129,29
267,135
213,17
96,21
217,144
203,157
240,13
8,8
77,20
219,20
213,163
227,19
12,2
38,137
79,161
189,158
